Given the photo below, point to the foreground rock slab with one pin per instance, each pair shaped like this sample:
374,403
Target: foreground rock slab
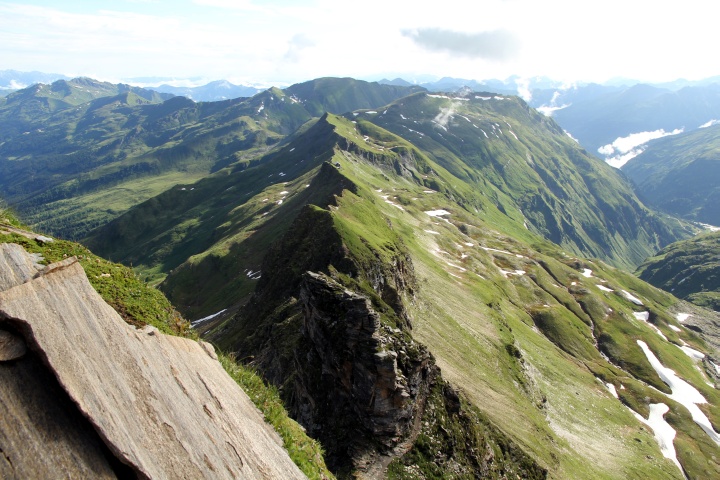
162,405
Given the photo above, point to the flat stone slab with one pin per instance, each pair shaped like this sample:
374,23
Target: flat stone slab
162,404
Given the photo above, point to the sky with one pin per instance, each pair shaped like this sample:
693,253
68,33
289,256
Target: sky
280,42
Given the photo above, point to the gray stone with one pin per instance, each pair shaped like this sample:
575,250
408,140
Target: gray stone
16,266
161,404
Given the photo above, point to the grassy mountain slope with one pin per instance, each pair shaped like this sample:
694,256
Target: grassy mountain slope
524,163
25,105
690,269
681,174
522,328
515,323
101,148
343,95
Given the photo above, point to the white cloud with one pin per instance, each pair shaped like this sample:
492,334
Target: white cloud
493,45
624,149
570,135
709,123
15,85
523,89
296,45
548,110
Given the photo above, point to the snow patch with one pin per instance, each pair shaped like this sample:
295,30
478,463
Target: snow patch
681,317
712,228
632,298
604,288
437,213
205,319
645,317
682,392
692,353
388,201
457,266
664,433
488,249
253,275
612,389
674,328
587,273
508,273
433,232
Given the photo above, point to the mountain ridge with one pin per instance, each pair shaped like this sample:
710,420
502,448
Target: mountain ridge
77,159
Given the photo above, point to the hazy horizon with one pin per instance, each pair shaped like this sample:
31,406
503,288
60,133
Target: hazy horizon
279,42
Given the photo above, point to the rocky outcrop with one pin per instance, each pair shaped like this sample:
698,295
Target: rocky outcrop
369,380
115,401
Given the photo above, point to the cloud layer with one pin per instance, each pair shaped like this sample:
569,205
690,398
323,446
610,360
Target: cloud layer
492,45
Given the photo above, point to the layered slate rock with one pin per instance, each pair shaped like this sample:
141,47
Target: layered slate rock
162,406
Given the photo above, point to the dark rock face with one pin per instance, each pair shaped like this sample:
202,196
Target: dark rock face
368,377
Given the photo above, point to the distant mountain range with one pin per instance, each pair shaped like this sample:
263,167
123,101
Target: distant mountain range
211,92
12,80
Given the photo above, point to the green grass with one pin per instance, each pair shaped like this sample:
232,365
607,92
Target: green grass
304,451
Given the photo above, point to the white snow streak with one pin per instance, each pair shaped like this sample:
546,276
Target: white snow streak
682,392
437,213
631,297
692,353
205,319
664,433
